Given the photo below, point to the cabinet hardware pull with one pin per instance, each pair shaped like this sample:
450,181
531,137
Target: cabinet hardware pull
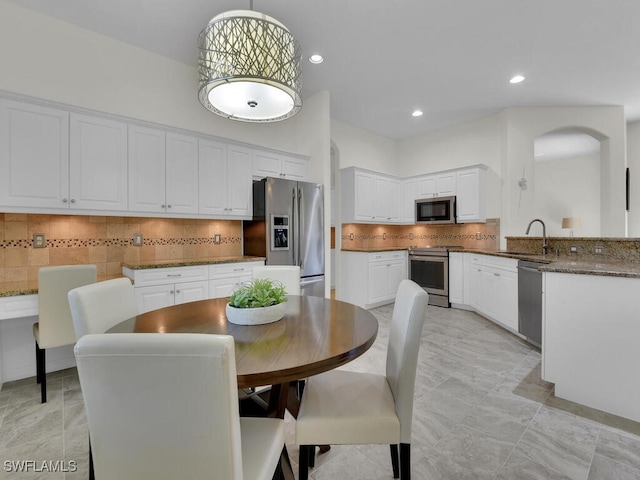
171,292
496,274
168,206
174,274
163,206
177,291
64,200
238,269
73,200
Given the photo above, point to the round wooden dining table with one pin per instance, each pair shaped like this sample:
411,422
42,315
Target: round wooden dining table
316,334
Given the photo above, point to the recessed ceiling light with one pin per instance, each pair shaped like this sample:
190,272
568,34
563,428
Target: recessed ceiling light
417,113
516,79
316,58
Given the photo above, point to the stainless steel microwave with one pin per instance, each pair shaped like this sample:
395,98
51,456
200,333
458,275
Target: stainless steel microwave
437,210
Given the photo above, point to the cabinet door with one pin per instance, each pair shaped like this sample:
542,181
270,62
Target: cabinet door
446,184
181,173
394,201
266,164
472,280
507,299
378,282
154,297
427,186
364,197
456,278
34,155
396,272
213,184
470,200
381,195
239,178
294,168
146,169
191,292
489,298
409,196
97,163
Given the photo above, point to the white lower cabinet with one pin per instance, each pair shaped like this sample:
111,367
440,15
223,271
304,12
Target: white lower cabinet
490,286
456,278
160,296
383,272
162,287
227,277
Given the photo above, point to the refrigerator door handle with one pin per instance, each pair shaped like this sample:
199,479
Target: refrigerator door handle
294,225
301,225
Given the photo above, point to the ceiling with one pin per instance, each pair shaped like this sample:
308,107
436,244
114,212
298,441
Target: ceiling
450,58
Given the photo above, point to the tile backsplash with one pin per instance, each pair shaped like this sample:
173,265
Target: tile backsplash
107,241
467,235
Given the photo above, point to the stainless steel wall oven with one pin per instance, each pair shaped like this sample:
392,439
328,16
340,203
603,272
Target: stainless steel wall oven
429,268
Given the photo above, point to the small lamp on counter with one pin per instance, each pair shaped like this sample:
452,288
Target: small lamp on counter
571,223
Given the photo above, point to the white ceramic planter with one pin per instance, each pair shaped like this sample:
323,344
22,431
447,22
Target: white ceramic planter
255,316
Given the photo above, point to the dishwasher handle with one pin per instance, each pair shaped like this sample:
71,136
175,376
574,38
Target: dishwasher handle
529,269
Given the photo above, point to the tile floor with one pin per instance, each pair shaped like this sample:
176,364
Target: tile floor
481,412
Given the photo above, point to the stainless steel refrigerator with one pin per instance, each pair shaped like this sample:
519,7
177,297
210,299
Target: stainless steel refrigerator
288,228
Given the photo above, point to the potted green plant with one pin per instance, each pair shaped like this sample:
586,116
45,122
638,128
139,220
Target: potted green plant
257,302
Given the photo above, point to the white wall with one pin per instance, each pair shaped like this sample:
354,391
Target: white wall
51,59
462,145
524,125
359,148
568,187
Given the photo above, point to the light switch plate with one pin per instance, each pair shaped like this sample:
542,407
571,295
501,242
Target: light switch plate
39,240
138,239
216,238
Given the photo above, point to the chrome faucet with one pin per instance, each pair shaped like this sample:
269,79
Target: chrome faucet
545,242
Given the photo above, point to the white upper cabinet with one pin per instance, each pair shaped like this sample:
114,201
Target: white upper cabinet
471,196
34,155
97,163
181,193
369,197
146,169
437,185
272,164
409,197
163,171
52,159
225,179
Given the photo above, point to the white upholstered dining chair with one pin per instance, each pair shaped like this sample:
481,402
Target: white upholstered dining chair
352,408
98,307
165,406
55,327
287,275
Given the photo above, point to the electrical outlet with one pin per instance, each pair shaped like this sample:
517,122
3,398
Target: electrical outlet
39,240
384,236
351,236
138,240
598,250
573,249
478,236
216,238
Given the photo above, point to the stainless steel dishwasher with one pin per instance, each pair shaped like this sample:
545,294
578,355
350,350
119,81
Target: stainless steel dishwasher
530,301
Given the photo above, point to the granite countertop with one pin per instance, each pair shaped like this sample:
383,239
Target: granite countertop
186,262
374,249
12,289
564,264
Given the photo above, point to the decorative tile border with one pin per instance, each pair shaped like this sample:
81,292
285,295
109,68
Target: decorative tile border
118,242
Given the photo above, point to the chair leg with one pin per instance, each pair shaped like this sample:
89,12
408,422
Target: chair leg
394,461
38,373
405,461
312,455
41,368
303,463
92,475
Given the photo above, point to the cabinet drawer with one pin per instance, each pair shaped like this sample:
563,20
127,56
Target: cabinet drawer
509,264
18,306
386,256
225,270
162,276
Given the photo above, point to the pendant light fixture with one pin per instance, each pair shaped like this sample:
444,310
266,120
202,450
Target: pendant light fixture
249,67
